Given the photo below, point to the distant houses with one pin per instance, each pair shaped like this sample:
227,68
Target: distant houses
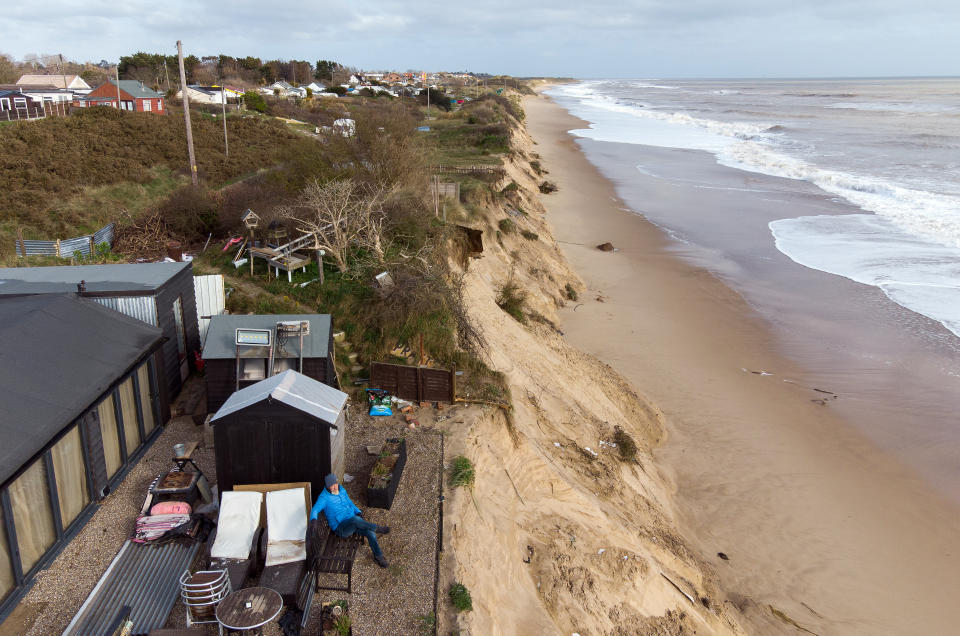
283,89
73,83
131,94
12,100
211,94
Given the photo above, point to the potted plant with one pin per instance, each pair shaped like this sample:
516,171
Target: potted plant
386,473
334,619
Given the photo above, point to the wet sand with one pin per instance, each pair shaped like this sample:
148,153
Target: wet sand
818,522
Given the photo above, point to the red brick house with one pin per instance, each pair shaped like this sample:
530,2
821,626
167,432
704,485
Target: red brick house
133,96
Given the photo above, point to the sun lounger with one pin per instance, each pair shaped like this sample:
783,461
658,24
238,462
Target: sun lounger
237,535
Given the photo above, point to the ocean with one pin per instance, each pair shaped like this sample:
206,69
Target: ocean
832,207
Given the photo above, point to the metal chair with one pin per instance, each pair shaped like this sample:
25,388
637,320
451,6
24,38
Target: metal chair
201,592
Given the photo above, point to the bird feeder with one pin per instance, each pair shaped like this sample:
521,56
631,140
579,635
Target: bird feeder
250,219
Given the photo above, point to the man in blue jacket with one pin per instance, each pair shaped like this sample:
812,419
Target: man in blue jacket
345,519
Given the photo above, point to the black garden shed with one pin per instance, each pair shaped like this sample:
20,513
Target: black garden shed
79,405
159,294
287,428
309,353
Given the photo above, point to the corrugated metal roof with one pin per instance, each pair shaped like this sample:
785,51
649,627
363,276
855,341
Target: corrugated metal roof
143,308
109,278
144,576
293,389
210,300
221,336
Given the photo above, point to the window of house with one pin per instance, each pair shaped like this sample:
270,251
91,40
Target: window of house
111,438
32,514
128,411
146,104
20,102
4,103
70,472
146,399
7,580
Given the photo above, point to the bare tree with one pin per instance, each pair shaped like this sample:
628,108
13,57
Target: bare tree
342,213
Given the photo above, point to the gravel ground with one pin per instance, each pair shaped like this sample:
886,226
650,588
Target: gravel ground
61,589
383,602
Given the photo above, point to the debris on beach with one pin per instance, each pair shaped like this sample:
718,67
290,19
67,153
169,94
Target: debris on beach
606,247
723,556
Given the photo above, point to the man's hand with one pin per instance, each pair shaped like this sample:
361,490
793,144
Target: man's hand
359,513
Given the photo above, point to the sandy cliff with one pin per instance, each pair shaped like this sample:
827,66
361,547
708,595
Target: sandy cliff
597,530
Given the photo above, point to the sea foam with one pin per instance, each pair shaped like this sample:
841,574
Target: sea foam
919,274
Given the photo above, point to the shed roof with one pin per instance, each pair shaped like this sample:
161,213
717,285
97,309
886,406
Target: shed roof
60,353
293,389
221,336
99,278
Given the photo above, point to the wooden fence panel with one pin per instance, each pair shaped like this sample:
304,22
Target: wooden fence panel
413,383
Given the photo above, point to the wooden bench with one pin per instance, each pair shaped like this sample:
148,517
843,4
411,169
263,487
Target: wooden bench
329,553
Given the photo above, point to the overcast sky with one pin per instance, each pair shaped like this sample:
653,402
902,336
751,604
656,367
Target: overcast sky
603,38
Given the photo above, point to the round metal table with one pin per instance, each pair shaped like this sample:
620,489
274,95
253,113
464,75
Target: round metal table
248,609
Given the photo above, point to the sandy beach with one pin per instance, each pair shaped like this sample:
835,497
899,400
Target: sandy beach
817,522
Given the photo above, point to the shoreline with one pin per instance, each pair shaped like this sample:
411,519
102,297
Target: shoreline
815,519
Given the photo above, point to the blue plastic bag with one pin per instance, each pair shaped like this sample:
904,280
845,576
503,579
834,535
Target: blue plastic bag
380,402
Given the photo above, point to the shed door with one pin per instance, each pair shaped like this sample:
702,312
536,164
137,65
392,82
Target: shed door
299,451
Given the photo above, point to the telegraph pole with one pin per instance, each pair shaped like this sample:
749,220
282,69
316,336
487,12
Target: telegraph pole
186,113
118,86
223,101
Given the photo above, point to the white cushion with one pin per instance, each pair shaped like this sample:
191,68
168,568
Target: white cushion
286,526
239,518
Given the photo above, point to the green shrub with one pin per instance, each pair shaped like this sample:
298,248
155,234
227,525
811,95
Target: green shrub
530,236
507,226
512,299
460,597
342,625
255,101
571,292
428,624
338,90
461,472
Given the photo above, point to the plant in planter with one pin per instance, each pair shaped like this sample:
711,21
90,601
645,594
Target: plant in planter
386,473
334,619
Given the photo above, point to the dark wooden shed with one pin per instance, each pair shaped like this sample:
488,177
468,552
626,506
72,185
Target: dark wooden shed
220,353
287,428
79,405
159,294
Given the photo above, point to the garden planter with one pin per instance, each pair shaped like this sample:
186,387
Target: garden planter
386,474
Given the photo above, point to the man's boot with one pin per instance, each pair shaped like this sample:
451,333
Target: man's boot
382,562
382,530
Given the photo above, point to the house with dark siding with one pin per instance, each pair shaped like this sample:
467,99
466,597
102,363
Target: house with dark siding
222,357
159,294
80,402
